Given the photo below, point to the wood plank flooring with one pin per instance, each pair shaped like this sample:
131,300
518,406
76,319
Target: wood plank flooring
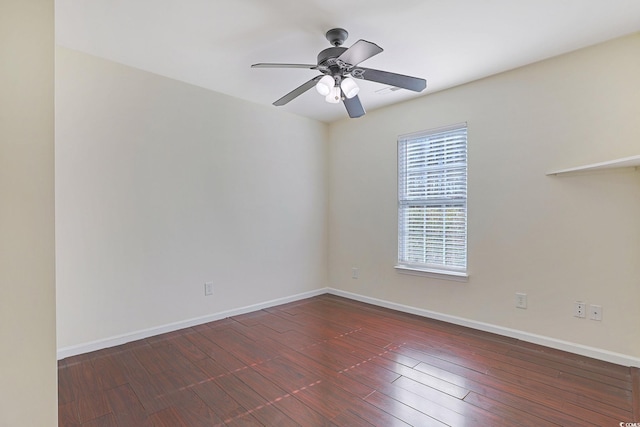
330,361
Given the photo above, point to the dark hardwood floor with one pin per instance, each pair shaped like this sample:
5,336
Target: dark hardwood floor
330,361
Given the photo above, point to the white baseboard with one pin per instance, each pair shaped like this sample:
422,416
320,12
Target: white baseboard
596,353
146,333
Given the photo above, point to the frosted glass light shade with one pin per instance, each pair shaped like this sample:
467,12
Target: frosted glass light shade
334,95
349,87
324,85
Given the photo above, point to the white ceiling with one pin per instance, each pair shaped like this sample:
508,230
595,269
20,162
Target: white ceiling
212,43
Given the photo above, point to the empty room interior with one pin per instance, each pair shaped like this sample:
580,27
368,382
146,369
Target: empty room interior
179,251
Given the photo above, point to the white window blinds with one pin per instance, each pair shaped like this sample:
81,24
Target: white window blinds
432,199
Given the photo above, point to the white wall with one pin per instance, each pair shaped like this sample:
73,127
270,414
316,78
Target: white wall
162,186
159,185
559,239
28,388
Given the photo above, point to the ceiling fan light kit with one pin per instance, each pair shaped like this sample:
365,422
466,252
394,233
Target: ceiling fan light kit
325,84
334,95
339,66
349,87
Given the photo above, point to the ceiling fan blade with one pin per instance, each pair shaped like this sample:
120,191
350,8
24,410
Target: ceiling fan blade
354,107
271,65
398,80
360,51
297,91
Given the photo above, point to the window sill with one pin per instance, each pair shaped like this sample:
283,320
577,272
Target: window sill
433,273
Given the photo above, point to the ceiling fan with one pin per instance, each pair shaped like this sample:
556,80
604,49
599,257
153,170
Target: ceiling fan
339,66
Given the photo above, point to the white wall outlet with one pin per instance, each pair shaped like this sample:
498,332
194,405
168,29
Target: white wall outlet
595,312
355,273
208,288
580,309
521,300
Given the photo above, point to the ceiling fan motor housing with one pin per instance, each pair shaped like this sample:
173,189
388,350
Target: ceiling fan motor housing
327,61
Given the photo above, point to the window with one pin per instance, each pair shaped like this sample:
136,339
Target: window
432,201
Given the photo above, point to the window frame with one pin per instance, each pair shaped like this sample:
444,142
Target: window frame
449,177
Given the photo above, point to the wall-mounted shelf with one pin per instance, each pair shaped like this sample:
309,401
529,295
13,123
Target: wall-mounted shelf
626,162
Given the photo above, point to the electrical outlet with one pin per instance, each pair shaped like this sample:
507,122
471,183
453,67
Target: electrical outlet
595,312
521,300
580,309
355,273
208,288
